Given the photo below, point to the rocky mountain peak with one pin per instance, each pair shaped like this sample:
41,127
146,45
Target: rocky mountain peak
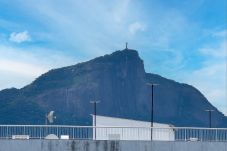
126,56
118,80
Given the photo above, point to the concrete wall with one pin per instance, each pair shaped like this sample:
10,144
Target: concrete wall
83,145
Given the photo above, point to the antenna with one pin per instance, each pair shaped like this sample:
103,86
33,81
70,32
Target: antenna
126,45
50,117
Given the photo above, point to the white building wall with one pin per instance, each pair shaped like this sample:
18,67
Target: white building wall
110,128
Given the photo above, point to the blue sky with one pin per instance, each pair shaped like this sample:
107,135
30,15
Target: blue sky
181,40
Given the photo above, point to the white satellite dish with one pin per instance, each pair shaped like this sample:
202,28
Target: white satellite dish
50,117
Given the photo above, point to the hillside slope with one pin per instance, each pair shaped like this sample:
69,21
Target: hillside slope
119,81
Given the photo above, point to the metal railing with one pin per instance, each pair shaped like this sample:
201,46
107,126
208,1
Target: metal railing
200,134
114,133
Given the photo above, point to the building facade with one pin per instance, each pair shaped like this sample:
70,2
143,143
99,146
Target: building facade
111,128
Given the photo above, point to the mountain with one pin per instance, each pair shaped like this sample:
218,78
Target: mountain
119,81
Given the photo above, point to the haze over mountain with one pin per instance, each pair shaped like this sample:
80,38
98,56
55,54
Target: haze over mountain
119,81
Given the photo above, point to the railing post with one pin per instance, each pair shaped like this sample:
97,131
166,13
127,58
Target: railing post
138,133
122,133
216,135
201,136
73,133
7,131
185,135
57,132
40,132
107,132
24,130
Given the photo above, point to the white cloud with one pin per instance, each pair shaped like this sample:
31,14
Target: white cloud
72,22
17,74
20,67
120,11
222,33
19,37
211,81
211,78
219,51
136,27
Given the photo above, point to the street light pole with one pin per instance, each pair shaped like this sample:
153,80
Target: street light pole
152,105
95,104
209,111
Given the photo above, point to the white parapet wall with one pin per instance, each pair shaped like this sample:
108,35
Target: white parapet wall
111,128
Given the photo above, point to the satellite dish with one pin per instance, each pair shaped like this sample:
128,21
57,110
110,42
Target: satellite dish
50,117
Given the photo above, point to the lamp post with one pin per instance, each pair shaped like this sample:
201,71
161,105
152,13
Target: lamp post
152,105
95,104
210,111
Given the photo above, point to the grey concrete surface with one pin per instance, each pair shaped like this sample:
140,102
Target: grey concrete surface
89,145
